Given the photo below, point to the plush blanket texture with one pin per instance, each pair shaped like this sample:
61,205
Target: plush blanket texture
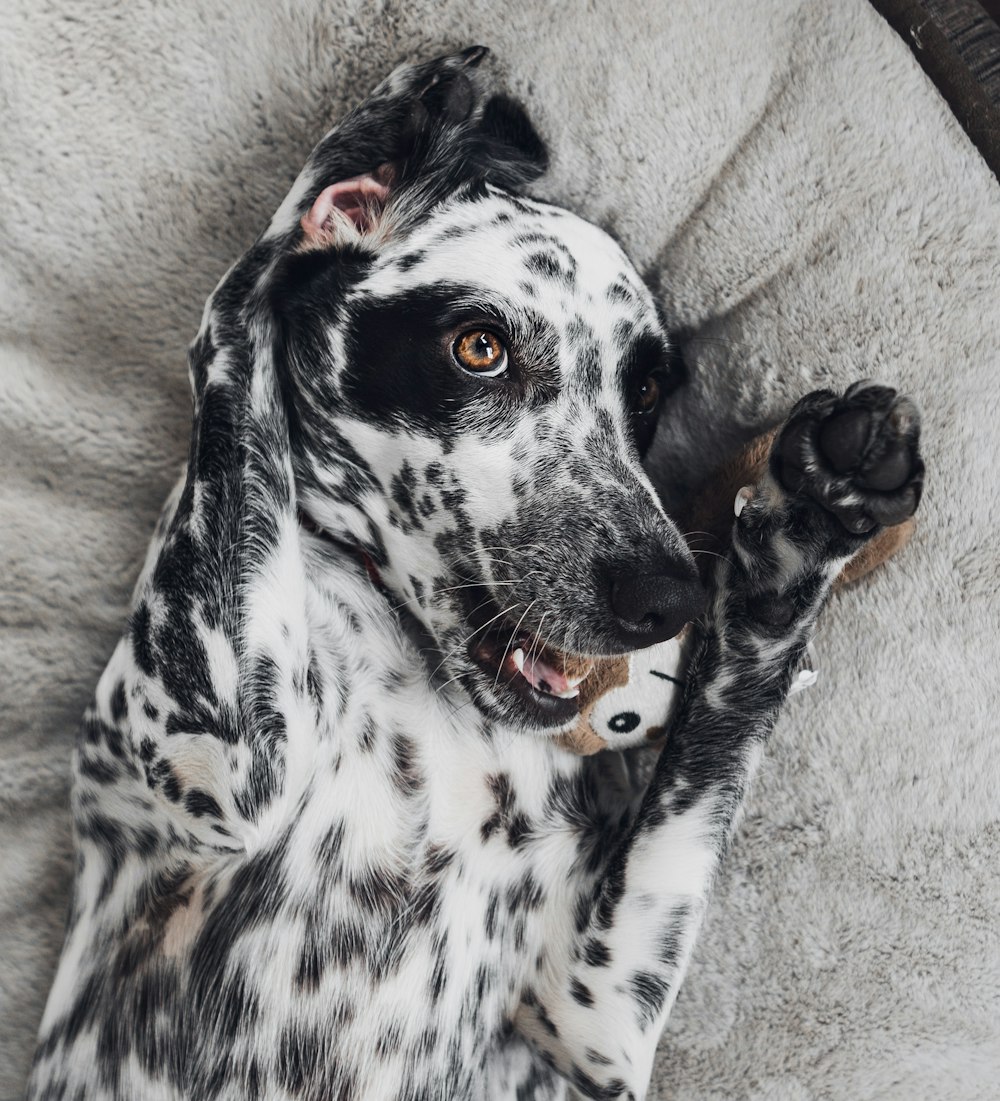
810,212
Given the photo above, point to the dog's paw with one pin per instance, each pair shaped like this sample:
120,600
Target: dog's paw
857,456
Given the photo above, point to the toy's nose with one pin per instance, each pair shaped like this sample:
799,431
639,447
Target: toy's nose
652,599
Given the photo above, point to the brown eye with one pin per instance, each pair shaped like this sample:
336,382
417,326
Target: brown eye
481,352
647,395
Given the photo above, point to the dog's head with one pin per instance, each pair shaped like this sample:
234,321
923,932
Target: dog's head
473,378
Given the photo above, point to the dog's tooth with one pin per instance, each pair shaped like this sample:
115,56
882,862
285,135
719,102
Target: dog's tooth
518,656
573,682
569,694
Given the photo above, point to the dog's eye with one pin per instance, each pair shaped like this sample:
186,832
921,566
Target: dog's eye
647,396
481,352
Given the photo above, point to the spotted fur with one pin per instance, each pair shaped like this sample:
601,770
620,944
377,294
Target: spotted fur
319,853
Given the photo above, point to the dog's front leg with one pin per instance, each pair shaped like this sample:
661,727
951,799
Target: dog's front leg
841,469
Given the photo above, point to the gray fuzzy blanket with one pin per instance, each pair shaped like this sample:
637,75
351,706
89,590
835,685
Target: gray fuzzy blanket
810,212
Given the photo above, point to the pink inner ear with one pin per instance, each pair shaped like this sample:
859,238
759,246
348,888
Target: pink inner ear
359,198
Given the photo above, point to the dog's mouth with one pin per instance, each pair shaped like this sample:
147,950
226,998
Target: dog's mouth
515,668
520,668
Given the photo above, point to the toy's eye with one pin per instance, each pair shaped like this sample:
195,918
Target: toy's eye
480,352
624,722
646,398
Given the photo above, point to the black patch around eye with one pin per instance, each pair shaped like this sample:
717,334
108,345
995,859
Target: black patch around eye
647,356
400,365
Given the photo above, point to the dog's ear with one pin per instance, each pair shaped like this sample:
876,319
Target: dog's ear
348,211
426,131
496,143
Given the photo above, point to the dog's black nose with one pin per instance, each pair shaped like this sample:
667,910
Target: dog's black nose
652,602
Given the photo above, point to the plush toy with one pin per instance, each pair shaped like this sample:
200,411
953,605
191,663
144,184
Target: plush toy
628,701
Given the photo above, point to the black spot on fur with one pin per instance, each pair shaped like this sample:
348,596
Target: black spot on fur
300,1056
650,992
119,702
163,776
580,993
526,894
490,919
409,260
328,849
671,941
596,953
199,803
518,830
379,890
545,264
406,775
98,770
140,627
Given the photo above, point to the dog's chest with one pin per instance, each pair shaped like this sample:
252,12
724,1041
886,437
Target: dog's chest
402,902
406,933
381,920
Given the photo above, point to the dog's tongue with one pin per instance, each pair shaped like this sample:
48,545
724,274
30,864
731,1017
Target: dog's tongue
544,677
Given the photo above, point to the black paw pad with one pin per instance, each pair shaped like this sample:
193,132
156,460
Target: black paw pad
856,455
844,436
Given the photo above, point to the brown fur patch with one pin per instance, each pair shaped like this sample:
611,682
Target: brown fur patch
873,554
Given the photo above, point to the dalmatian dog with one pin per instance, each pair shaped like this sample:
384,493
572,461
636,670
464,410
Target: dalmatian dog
328,844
